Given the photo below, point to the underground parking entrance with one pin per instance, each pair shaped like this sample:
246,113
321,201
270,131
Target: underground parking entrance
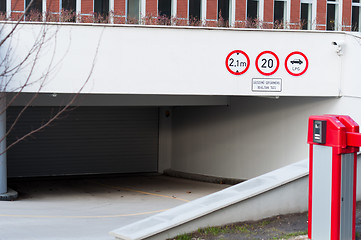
93,170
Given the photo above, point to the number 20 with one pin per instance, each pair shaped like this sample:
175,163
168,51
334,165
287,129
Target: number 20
266,63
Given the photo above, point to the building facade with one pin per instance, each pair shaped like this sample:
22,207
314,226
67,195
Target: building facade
293,14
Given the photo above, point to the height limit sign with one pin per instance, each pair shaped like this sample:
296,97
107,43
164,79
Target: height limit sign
237,62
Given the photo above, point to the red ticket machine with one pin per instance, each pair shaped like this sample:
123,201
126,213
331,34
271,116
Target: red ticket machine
334,142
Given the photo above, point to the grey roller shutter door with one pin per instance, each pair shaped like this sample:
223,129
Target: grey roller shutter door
85,140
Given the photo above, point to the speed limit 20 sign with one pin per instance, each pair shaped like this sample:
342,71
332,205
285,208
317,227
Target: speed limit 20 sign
267,63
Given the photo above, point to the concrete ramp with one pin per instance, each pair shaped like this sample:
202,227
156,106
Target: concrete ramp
282,191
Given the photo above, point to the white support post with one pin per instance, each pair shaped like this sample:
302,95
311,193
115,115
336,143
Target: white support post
111,11
8,9
203,11
261,11
340,22
288,14
173,11
232,11
314,15
142,10
78,10
44,10
3,168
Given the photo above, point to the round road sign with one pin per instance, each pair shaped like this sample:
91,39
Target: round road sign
296,63
237,62
267,63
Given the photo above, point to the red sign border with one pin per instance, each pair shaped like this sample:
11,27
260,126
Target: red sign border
291,54
274,71
244,54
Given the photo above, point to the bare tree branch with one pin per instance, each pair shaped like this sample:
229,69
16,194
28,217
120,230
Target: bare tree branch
62,110
17,24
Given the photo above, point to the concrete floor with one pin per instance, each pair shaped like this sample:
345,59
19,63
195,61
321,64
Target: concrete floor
88,208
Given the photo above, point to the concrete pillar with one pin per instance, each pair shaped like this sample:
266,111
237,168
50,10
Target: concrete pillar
6,194
3,169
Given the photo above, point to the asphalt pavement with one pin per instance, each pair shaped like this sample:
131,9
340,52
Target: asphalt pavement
88,208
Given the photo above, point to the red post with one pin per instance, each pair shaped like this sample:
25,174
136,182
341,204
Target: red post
334,141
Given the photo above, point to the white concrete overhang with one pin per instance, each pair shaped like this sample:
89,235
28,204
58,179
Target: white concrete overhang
171,60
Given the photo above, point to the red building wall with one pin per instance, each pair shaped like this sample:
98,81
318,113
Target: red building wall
268,14
211,16
151,8
17,5
182,9
53,6
321,15
86,6
119,11
241,10
211,12
295,14
346,15
119,7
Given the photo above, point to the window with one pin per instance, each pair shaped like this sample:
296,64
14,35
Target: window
165,8
306,14
332,15
223,12
68,5
2,6
279,13
356,7
36,6
133,11
194,10
101,7
34,12
252,9
68,9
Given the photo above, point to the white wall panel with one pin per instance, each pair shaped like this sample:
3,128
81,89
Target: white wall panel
176,60
250,137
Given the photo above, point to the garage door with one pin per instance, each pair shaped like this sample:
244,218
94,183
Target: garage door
84,140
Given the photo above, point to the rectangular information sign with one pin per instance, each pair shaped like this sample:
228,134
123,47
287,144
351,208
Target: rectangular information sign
266,84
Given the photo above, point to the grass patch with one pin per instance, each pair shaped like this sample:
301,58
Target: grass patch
265,223
242,229
289,235
183,237
213,230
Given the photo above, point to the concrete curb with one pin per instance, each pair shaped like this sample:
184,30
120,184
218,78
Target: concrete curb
230,205
303,237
